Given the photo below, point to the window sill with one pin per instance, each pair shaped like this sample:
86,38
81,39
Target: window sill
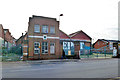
44,33
37,32
52,33
36,53
52,53
44,53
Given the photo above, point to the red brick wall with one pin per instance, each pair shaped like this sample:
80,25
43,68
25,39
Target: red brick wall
100,44
87,44
63,35
8,37
43,21
1,31
77,47
80,36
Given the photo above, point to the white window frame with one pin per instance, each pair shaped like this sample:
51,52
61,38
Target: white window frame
52,29
54,48
36,48
45,27
44,48
38,28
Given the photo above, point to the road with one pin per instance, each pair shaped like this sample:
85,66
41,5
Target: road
106,68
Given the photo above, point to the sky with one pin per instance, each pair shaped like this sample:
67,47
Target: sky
97,18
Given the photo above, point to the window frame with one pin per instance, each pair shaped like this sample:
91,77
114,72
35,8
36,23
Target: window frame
50,47
52,27
37,48
37,25
44,46
46,27
82,45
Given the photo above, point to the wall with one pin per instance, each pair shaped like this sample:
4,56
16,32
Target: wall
43,21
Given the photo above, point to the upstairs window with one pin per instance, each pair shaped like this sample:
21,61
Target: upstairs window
44,29
37,28
52,29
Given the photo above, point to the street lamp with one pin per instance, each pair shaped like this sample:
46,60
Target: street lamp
59,18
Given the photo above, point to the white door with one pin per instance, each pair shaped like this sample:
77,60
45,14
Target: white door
52,48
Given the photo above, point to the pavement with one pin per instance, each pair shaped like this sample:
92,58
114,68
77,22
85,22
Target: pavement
63,60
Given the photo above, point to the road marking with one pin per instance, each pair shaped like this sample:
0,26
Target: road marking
32,69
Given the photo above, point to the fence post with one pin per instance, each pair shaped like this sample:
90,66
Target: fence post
88,53
105,52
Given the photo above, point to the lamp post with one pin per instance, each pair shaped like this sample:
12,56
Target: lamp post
59,18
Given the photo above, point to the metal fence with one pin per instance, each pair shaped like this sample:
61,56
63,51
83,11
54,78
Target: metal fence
13,53
103,52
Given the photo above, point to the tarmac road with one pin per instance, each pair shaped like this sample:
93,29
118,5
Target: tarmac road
104,68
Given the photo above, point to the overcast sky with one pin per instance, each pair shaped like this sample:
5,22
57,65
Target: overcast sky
97,18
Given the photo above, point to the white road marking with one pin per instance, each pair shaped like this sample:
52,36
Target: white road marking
32,69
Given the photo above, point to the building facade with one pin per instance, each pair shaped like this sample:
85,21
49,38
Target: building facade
9,40
107,45
44,40
77,43
6,39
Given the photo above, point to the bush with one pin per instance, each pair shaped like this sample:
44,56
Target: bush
11,57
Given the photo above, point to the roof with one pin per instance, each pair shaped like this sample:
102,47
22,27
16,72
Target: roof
64,34
33,16
109,40
105,40
75,33
21,37
5,30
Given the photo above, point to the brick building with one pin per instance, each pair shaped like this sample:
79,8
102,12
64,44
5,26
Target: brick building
6,39
9,40
44,40
1,36
78,42
103,44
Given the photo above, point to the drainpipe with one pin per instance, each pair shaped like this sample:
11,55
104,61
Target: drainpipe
4,39
21,43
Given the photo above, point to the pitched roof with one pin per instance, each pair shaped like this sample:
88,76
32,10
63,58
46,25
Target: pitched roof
75,33
109,40
21,37
105,40
6,30
63,34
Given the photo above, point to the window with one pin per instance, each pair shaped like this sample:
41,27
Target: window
44,37
52,48
45,29
81,45
52,29
36,28
44,47
36,48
